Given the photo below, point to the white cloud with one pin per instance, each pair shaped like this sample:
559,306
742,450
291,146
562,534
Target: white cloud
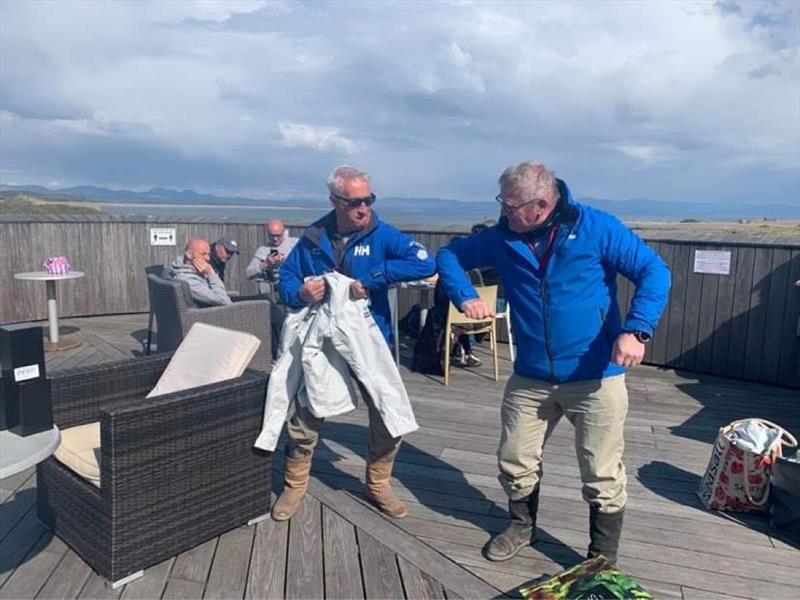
444,95
302,135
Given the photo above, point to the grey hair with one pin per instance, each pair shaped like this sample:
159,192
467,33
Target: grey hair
532,178
341,174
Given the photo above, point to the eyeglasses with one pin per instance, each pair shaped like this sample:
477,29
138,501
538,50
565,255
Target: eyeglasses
355,202
516,207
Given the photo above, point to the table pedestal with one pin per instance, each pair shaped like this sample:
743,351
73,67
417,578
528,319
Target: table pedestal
55,344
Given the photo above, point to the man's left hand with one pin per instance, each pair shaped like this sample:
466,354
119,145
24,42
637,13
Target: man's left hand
628,351
358,291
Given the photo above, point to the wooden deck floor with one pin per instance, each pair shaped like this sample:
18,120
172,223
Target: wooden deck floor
339,547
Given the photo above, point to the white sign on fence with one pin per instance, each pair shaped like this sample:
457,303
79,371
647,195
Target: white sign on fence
715,262
164,236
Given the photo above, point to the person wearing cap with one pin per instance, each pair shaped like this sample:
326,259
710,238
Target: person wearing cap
221,252
267,261
195,268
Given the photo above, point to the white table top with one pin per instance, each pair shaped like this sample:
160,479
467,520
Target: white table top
17,453
45,276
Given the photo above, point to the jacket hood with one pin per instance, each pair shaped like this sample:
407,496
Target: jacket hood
179,266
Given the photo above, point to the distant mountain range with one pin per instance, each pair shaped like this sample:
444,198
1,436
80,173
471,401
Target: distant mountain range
642,208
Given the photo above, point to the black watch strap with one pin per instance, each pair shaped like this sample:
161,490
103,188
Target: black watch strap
642,336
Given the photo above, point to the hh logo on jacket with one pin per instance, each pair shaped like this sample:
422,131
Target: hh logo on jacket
361,250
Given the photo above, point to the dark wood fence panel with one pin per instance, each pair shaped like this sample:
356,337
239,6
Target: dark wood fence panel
757,321
789,361
677,303
741,325
722,318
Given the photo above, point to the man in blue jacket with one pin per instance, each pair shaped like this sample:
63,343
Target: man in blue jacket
352,240
558,261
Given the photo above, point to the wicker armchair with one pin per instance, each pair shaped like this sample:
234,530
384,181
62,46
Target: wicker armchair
170,301
175,470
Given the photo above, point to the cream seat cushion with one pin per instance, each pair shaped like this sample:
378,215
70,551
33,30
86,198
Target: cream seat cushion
207,354
80,451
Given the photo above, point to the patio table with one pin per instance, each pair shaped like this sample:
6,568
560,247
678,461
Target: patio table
17,453
55,342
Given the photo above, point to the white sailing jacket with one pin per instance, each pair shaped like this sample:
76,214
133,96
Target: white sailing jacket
320,346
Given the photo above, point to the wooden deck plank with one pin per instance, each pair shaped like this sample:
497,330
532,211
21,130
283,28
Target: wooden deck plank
445,571
183,589
267,577
16,506
195,564
379,566
341,557
68,578
151,584
228,575
417,584
16,546
34,570
97,588
304,573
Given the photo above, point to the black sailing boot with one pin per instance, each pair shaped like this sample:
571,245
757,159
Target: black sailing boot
520,533
604,532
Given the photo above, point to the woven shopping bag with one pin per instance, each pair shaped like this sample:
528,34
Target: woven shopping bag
737,478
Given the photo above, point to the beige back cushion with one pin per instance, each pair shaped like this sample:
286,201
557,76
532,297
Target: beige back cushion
207,354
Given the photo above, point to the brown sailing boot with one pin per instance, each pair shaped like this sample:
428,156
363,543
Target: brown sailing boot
379,488
296,476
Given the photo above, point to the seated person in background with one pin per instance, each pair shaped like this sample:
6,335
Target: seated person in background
194,267
221,252
266,264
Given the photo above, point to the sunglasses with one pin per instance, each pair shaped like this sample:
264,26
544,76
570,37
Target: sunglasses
355,202
516,207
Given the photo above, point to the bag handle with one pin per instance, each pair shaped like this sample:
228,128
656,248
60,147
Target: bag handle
747,493
787,439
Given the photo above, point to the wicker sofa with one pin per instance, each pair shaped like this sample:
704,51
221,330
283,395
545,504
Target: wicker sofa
170,301
175,470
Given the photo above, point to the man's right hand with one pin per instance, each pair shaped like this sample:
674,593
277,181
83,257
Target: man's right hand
313,290
477,309
272,261
202,266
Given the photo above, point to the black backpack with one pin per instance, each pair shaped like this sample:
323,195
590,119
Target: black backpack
429,349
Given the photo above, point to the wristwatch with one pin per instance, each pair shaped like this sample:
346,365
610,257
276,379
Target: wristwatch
642,336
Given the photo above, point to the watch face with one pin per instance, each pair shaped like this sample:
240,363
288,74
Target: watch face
642,336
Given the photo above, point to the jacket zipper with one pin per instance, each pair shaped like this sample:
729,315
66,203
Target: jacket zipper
547,330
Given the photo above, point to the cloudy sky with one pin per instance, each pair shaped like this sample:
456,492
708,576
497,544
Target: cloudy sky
670,100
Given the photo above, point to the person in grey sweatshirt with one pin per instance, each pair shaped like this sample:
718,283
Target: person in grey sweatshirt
266,264
195,268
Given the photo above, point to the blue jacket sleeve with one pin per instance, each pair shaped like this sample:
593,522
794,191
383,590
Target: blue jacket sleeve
404,260
626,253
291,276
460,256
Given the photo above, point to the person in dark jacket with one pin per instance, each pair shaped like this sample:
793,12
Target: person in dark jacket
558,261
350,239
222,251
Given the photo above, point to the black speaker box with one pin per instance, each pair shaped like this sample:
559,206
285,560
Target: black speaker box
25,404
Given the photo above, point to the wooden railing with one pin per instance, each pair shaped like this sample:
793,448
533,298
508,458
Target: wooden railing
742,325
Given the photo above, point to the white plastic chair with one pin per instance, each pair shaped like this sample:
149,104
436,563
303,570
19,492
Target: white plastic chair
392,292
506,316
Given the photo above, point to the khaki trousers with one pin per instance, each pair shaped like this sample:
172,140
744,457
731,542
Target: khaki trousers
596,408
303,433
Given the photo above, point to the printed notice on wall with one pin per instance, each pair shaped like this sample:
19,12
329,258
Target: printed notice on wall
715,262
164,236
